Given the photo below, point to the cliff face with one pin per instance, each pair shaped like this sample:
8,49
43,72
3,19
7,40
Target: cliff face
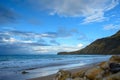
108,45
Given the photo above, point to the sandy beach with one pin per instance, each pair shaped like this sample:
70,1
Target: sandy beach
106,70
51,77
39,66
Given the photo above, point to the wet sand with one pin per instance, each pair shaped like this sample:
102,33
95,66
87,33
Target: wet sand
51,77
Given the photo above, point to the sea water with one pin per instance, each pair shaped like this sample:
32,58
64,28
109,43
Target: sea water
11,66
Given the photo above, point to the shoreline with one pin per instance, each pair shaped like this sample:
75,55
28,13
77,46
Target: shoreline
73,70
55,64
104,70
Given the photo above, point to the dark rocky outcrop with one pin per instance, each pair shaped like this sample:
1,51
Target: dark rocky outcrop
114,67
108,45
24,72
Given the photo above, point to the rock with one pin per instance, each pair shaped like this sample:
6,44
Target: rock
24,72
94,73
113,77
107,70
79,74
63,75
115,59
114,67
104,65
114,64
77,78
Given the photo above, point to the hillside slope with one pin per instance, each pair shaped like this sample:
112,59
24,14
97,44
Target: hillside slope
108,45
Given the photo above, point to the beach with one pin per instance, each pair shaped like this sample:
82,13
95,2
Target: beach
106,70
59,40
51,77
41,66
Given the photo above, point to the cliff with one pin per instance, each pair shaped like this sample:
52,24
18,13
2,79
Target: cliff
108,45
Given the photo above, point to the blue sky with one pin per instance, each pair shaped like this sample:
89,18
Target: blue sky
45,26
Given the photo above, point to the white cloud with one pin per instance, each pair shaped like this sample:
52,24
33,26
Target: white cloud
80,45
91,10
35,42
10,40
111,27
60,48
94,18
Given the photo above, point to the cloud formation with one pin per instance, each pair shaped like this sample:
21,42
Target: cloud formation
7,15
91,10
60,33
54,42
59,48
18,42
111,27
14,41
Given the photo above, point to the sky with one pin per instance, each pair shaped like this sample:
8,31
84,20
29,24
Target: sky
51,26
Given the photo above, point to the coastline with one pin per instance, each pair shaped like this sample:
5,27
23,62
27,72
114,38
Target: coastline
74,70
43,65
105,70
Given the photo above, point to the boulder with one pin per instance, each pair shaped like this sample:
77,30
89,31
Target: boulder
79,74
63,75
115,59
95,73
114,67
104,65
113,77
24,72
107,70
77,78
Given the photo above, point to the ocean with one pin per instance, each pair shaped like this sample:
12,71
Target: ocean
11,66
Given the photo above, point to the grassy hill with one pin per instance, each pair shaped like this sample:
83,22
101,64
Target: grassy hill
108,45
